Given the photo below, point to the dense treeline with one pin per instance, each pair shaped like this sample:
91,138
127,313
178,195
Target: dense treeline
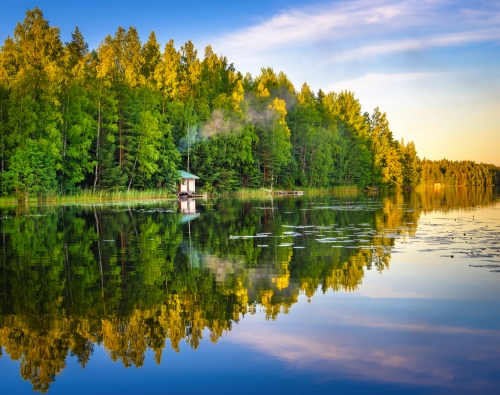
128,115
458,173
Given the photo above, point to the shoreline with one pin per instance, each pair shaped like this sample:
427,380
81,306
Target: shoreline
134,195
86,197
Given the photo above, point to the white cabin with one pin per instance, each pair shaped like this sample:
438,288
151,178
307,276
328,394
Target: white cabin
187,185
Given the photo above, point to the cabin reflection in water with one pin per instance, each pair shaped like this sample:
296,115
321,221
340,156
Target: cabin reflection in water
188,209
187,206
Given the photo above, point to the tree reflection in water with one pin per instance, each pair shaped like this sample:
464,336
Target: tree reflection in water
129,278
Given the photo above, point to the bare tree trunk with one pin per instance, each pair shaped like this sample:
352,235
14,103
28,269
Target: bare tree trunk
189,146
133,169
65,127
3,146
97,144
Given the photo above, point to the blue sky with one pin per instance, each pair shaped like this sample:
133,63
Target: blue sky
432,65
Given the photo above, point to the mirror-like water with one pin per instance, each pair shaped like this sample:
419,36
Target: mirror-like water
366,294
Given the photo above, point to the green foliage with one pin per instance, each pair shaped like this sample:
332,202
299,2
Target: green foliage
31,172
410,163
128,116
458,173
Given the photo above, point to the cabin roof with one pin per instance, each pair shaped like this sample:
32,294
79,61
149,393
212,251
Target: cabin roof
185,174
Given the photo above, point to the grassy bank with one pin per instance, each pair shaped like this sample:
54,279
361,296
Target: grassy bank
89,196
309,191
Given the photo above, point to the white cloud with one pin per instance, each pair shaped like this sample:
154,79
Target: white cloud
300,27
425,328
445,40
345,352
374,81
364,21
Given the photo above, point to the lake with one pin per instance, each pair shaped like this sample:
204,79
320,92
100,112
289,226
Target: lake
395,293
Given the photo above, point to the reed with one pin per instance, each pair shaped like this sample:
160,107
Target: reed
337,190
246,192
88,195
349,189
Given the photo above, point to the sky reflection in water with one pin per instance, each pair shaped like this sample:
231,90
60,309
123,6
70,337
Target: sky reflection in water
413,308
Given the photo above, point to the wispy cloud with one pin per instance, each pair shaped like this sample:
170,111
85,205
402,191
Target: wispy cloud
445,40
349,354
374,81
420,327
296,27
368,28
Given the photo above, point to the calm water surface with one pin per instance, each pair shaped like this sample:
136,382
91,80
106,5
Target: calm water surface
360,294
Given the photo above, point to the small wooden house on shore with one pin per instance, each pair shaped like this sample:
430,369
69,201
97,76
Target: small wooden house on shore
187,186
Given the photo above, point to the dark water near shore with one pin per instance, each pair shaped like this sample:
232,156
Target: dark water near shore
362,294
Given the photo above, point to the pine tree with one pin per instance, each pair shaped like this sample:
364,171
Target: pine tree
77,123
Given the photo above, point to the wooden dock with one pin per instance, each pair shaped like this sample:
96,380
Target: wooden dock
189,195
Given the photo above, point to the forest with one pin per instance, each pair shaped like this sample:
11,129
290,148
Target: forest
129,115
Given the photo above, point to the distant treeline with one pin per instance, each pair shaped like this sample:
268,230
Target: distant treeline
458,173
129,115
